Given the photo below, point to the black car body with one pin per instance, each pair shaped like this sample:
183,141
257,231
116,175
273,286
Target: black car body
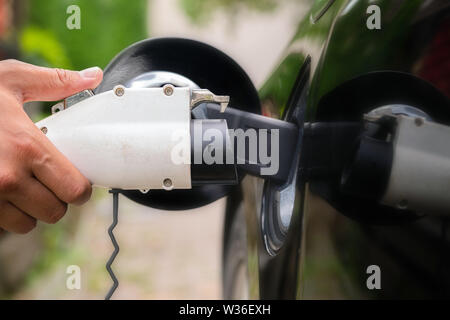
298,241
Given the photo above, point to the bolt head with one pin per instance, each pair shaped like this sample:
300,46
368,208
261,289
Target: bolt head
167,183
119,91
168,89
403,204
418,121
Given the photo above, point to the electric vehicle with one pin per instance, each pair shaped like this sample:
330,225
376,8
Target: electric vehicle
302,241
305,237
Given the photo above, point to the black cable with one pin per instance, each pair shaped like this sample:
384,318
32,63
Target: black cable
114,242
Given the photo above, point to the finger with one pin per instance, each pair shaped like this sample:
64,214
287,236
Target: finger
33,83
47,164
59,175
14,220
37,201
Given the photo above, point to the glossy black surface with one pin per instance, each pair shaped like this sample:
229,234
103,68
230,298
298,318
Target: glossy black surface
326,251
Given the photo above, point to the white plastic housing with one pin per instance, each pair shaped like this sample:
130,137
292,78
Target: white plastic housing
126,141
420,174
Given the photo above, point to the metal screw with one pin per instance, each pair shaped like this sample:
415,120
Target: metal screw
418,121
119,91
58,107
168,90
167,183
44,130
403,204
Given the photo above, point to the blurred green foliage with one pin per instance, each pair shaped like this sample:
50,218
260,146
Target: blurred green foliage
56,242
107,27
40,44
199,11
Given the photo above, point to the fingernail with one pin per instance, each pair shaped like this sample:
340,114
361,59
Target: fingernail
90,73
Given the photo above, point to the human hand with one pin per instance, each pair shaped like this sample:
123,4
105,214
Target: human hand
36,180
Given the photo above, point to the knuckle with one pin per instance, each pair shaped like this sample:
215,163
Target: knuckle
63,77
25,144
41,160
9,182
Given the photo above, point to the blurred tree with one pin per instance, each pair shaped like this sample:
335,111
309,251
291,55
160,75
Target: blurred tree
199,11
107,27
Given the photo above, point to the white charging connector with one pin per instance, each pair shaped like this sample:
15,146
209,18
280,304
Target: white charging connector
420,172
125,138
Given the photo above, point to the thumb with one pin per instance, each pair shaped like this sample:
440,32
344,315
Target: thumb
32,83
